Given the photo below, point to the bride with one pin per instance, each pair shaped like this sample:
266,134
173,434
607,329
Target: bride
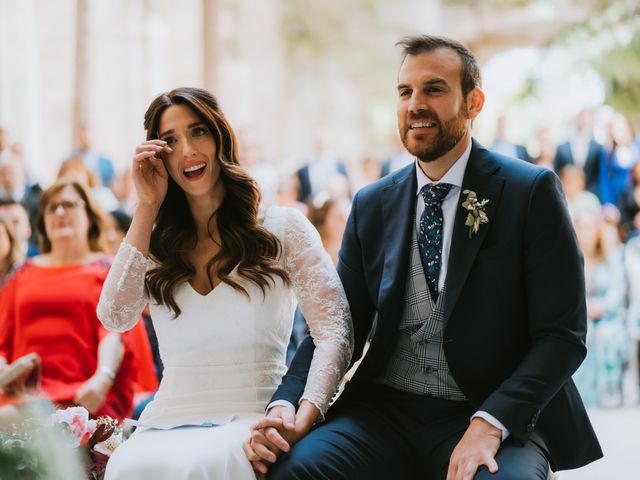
222,285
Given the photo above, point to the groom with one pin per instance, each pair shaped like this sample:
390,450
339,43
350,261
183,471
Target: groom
469,261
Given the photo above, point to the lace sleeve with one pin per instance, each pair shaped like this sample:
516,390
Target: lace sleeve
324,305
122,298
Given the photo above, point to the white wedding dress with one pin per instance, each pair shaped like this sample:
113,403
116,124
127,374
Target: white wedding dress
224,356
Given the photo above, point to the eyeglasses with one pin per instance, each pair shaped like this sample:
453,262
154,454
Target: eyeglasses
66,205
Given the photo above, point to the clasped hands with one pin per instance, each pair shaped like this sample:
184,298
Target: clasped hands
277,432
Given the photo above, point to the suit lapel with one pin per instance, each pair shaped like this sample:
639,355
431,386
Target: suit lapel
479,177
398,207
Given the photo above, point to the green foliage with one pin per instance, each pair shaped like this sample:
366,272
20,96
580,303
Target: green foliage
610,41
16,461
620,67
317,28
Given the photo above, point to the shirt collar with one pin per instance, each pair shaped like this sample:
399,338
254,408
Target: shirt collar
454,175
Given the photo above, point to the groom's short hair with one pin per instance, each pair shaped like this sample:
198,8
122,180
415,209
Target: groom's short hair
469,71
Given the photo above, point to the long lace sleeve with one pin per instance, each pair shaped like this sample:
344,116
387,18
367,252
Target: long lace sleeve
122,298
324,305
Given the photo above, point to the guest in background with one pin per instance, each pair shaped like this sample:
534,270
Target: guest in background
122,187
13,185
265,174
398,158
578,199
288,194
75,169
98,164
583,151
11,254
329,215
629,204
615,171
324,165
49,307
547,148
504,146
599,378
369,171
117,224
632,265
18,215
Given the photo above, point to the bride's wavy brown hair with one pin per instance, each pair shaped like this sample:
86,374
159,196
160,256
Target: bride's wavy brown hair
246,244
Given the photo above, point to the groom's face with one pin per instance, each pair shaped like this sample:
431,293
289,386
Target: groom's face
432,112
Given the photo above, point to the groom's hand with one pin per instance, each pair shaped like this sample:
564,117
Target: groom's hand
267,440
478,446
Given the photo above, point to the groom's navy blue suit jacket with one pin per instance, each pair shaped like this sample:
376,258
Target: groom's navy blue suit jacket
515,311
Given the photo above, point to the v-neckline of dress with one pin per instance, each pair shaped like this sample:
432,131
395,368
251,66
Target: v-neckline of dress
204,295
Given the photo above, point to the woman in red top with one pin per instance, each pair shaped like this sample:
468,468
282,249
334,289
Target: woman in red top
49,307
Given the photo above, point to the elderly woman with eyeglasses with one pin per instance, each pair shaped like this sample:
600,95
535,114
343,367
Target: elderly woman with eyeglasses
49,307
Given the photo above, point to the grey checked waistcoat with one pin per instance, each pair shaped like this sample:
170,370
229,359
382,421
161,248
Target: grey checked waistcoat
418,364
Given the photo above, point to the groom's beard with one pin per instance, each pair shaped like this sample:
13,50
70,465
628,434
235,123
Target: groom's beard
449,134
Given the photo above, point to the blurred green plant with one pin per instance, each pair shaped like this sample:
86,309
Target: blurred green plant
317,28
33,450
610,41
620,67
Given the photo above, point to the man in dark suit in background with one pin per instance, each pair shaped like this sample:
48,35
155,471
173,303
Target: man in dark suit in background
323,171
583,151
470,263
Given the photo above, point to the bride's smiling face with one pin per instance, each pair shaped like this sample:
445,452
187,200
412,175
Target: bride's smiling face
193,163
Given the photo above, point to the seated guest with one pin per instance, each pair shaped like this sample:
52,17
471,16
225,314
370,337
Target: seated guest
599,378
578,199
117,224
629,204
329,215
14,186
98,164
632,269
49,307
74,169
10,250
18,215
547,148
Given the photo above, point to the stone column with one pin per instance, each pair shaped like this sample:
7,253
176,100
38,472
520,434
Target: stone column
81,66
210,43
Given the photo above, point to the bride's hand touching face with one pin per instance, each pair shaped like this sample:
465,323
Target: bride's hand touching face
150,176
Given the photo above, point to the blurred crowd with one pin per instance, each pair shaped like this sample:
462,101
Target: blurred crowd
60,238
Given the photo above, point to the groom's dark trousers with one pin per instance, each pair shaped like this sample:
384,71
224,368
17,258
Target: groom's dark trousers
514,328
387,434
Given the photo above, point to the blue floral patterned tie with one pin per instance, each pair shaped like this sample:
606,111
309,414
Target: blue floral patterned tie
430,234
